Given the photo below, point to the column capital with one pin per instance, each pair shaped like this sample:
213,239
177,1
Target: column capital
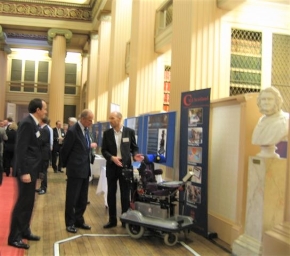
3,46
94,36
53,32
104,16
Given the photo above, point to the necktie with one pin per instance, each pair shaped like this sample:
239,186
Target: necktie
87,136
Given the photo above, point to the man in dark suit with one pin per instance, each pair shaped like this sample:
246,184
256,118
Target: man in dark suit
118,146
46,152
27,167
58,136
76,157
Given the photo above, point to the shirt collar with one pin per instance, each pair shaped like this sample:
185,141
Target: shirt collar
80,124
121,130
35,120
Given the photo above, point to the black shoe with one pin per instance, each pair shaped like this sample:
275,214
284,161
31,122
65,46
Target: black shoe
42,192
83,226
60,170
19,244
38,190
110,224
71,229
32,237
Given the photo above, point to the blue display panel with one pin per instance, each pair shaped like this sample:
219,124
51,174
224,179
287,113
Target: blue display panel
155,136
160,136
136,123
98,130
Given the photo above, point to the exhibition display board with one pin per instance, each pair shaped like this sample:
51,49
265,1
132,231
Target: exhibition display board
155,136
194,130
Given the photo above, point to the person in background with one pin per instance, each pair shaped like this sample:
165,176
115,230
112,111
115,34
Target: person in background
46,152
71,121
118,146
28,162
9,147
65,128
76,157
58,136
3,137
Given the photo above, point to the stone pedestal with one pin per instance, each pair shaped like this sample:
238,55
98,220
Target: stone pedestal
265,203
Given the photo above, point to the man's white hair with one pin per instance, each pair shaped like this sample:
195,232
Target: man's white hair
73,120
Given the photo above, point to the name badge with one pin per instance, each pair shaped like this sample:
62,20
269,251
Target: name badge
125,139
37,134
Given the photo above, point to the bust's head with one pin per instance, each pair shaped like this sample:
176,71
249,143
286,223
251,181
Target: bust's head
269,101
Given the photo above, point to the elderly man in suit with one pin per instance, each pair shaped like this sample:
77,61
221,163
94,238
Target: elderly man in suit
28,165
76,157
118,146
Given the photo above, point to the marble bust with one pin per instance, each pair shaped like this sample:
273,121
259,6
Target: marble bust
273,126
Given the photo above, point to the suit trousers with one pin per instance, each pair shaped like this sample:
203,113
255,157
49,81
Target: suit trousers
45,165
21,215
112,191
76,200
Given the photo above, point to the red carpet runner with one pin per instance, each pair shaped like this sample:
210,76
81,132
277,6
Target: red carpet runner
8,194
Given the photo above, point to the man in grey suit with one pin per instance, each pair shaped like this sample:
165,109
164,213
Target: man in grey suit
27,167
76,157
118,146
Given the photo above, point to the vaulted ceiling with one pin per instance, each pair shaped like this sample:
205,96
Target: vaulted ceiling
27,22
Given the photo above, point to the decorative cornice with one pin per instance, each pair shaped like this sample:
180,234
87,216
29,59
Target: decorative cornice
26,36
89,5
46,11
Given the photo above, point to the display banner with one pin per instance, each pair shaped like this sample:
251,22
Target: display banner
194,132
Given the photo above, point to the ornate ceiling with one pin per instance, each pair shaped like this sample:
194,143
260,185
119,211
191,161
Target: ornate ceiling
26,23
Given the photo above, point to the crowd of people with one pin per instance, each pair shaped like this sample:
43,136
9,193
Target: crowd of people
28,148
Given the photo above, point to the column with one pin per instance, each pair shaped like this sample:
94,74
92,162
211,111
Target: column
146,74
277,240
59,38
265,203
4,50
102,68
91,96
118,88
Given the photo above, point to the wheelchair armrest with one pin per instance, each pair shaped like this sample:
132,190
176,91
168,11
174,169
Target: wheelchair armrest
158,172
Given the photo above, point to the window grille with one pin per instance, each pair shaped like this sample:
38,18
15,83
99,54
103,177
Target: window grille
281,67
246,61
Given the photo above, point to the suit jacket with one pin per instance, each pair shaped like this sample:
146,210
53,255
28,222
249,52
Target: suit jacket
28,157
75,153
128,147
3,137
9,144
45,143
55,137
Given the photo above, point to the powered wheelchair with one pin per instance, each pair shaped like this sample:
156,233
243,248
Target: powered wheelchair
153,205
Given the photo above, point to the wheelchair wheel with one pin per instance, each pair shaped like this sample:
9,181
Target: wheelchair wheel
170,239
135,231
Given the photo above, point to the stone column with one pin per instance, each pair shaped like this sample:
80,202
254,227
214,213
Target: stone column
59,38
145,73
118,88
102,69
277,240
4,50
265,203
91,96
